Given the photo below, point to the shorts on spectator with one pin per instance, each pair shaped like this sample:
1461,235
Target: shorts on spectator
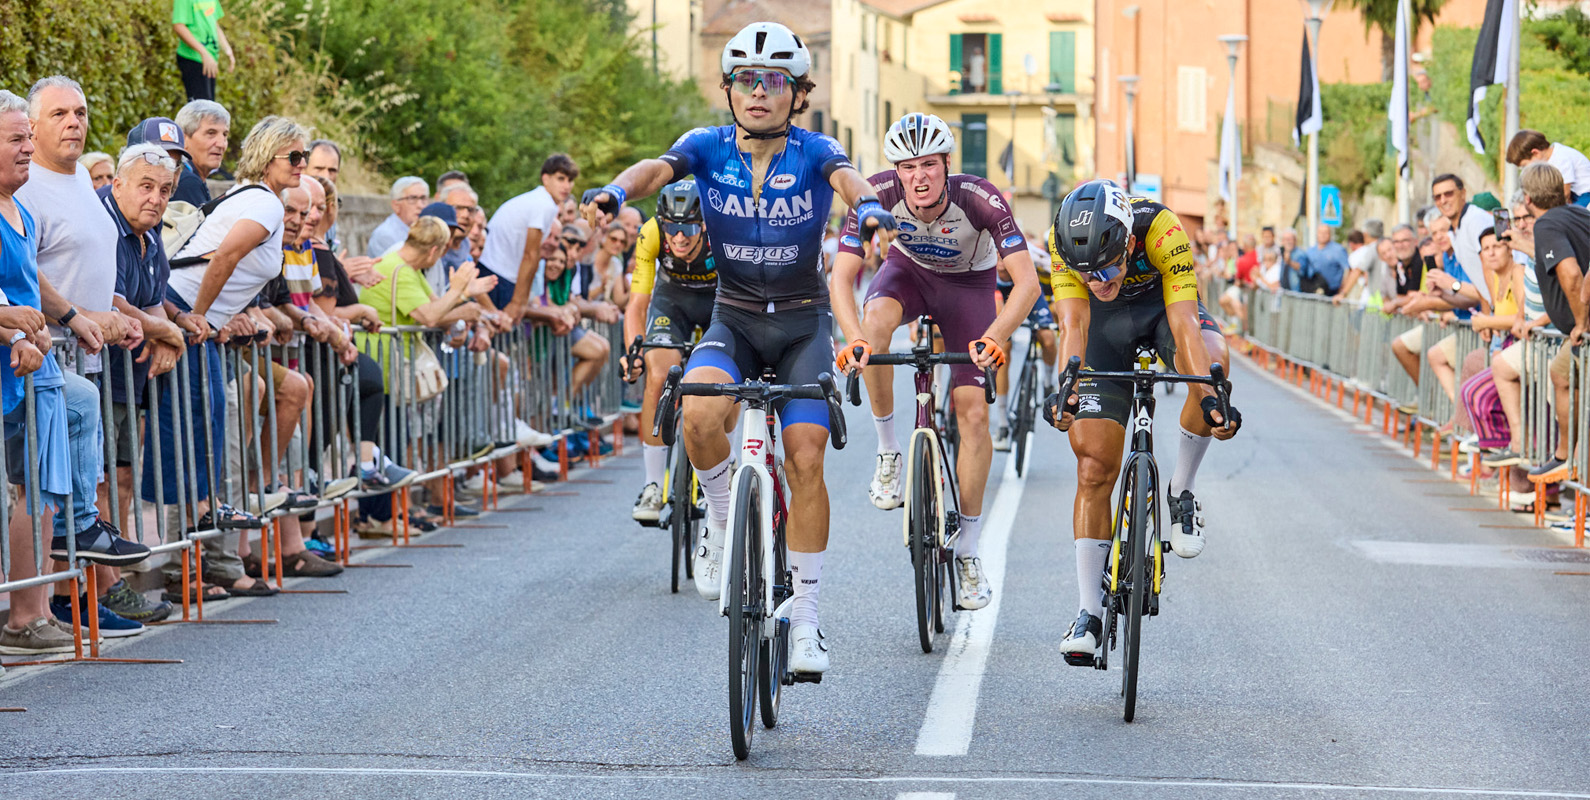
1414,341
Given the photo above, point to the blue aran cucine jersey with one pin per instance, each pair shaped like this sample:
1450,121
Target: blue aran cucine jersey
767,252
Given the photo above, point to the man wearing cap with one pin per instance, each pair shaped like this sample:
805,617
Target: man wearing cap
457,253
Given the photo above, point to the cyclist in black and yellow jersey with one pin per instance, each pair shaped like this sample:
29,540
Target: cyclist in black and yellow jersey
1123,275
670,296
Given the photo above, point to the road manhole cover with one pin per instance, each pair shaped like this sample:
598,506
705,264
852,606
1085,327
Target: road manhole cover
1548,556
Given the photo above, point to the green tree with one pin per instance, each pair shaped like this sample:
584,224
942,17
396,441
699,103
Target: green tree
1382,14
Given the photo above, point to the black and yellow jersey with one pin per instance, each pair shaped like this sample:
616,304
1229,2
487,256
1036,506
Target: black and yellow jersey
651,254
1162,257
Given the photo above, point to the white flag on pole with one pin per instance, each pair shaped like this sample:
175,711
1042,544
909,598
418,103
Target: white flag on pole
1230,147
1398,110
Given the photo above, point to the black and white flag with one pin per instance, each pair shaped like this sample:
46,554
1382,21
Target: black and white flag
1493,56
1309,118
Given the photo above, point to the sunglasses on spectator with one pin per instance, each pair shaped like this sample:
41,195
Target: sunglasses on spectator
1448,193
745,81
158,160
295,158
685,228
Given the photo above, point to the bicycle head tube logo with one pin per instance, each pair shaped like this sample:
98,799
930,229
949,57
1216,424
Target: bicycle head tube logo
755,446
1144,422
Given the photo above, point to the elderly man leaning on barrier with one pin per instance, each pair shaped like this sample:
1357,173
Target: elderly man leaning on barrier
68,460
409,195
206,125
1562,251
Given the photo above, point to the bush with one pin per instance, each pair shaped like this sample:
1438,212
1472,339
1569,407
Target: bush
1353,139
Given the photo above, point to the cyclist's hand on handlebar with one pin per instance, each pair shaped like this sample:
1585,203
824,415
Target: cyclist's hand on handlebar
987,356
1223,428
1061,417
853,356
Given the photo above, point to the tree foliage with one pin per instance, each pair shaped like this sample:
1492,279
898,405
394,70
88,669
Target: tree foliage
1353,139
1382,14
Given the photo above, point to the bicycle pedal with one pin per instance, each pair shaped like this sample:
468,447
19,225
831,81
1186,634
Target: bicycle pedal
808,677
1079,659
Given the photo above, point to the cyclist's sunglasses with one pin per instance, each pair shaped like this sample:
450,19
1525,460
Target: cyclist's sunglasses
745,81
1107,274
676,228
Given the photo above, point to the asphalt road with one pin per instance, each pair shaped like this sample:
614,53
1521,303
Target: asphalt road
1348,633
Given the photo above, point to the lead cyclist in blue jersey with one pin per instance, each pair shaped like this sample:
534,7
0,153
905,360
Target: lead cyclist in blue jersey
766,187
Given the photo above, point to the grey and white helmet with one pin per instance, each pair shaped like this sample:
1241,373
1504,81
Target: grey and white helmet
915,135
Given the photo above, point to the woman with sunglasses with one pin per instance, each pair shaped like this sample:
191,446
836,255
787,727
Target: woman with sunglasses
670,297
1123,275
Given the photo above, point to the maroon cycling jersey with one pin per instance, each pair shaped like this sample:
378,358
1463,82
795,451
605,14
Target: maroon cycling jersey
972,234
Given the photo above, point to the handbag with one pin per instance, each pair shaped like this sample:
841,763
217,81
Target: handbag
429,379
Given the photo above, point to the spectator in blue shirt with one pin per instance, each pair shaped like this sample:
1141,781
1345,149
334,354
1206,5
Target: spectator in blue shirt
1323,265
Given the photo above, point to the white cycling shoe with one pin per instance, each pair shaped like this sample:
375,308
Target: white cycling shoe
808,649
972,589
709,563
649,505
1187,526
885,489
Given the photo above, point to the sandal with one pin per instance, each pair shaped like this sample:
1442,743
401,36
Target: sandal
226,518
304,564
173,594
258,589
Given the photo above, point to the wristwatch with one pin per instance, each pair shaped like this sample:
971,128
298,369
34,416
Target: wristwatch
16,337
66,319
1457,286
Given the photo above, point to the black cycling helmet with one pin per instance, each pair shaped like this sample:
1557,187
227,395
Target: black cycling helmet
679,202
1092,226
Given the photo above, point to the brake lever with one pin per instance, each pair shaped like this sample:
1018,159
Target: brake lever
1222,387
989,388
1053,404
636,364
667,407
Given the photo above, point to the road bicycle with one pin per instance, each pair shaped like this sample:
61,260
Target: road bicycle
1135,571
756,579
1026,399
931,488
683,506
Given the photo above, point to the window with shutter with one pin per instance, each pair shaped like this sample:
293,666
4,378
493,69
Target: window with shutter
996,63
1192,93
956,69
1063,62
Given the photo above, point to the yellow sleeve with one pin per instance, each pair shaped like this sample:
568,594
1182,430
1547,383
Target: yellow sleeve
646,250
1064,282
1170,253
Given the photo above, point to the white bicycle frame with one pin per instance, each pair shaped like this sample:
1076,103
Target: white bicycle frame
753,467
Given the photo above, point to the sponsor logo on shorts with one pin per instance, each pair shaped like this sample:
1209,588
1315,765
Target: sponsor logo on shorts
662,338
661,322
712,343
1089,404
1011,241
850,241
781,182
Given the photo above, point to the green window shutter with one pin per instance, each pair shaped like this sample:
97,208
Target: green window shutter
974,144
955,62
1063,61
996,63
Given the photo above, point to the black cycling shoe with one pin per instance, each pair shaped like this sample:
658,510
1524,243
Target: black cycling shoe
1082,640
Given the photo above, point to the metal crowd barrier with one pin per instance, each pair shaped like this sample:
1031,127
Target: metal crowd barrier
524,376
1346,348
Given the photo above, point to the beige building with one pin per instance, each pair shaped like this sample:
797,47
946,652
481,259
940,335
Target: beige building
1004,75
669,31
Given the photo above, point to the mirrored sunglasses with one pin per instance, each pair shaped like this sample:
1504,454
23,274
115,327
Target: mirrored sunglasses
677,228
774,83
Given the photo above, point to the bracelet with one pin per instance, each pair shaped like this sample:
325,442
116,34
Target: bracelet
16,337
66,319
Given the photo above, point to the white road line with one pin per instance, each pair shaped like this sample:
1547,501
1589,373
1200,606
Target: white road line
952,709
925,796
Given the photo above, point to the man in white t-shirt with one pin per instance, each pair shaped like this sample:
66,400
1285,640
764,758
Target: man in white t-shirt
1467,219
1529,147
77,250
515,233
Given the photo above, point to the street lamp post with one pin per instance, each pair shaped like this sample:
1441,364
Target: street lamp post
1129,85
1233,43
1316,11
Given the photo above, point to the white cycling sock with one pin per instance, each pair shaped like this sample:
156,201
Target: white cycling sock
887,443
971,531
715,487
655,457
1188,456
1092,554
1002,408
806,570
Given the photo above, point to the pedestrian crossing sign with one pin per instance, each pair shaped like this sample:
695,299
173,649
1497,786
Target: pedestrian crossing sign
1330,206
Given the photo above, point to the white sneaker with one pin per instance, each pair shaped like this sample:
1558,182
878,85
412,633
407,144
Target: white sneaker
972,589
808,649
513,481
709,563
527,436
649,504
476,482
1187,525
885,489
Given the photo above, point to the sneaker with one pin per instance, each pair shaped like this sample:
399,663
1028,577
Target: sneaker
36,638
512,481
709,562
649,504
1187,535
972,590
476,482
1554,469
530,437
1082,640
397,477
808,649
336,488
1469,444
540,475
1504,458
885,489
1002,439
459,510
259,504
101,543
132,605
321,548
111,624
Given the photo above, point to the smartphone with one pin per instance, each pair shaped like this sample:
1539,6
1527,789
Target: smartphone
1502,220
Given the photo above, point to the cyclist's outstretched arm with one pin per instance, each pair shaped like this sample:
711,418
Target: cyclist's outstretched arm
842,298
1022,296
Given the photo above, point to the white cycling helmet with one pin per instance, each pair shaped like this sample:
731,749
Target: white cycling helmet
916,135
767,45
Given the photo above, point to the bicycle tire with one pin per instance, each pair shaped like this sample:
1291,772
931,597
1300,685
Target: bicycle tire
1136,607
775,651
745,599
1025,395
949,425
679,516
924,519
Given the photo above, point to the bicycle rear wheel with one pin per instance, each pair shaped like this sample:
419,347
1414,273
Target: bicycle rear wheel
1137,572
923,523
679,516
745,612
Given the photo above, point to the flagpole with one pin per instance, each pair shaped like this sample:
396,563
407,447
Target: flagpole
1129,85
1510,172
1233,43
1400,116
1316,8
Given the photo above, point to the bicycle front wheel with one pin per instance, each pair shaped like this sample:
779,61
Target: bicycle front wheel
1026,396
1137,571
923,509
679,516
744,603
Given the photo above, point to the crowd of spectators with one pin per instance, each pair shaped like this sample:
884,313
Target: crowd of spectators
150,317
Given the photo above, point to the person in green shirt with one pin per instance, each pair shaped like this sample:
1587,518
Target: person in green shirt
201,42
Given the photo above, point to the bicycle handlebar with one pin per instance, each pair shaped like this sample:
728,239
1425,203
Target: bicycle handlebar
752,391
1216,379
637,364
921,358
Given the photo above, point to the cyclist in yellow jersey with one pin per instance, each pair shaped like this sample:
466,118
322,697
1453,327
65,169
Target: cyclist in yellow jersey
1123,276
670,296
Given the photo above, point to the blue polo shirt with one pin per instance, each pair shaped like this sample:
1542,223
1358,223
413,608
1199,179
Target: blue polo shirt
1328,262
19,283
142,271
